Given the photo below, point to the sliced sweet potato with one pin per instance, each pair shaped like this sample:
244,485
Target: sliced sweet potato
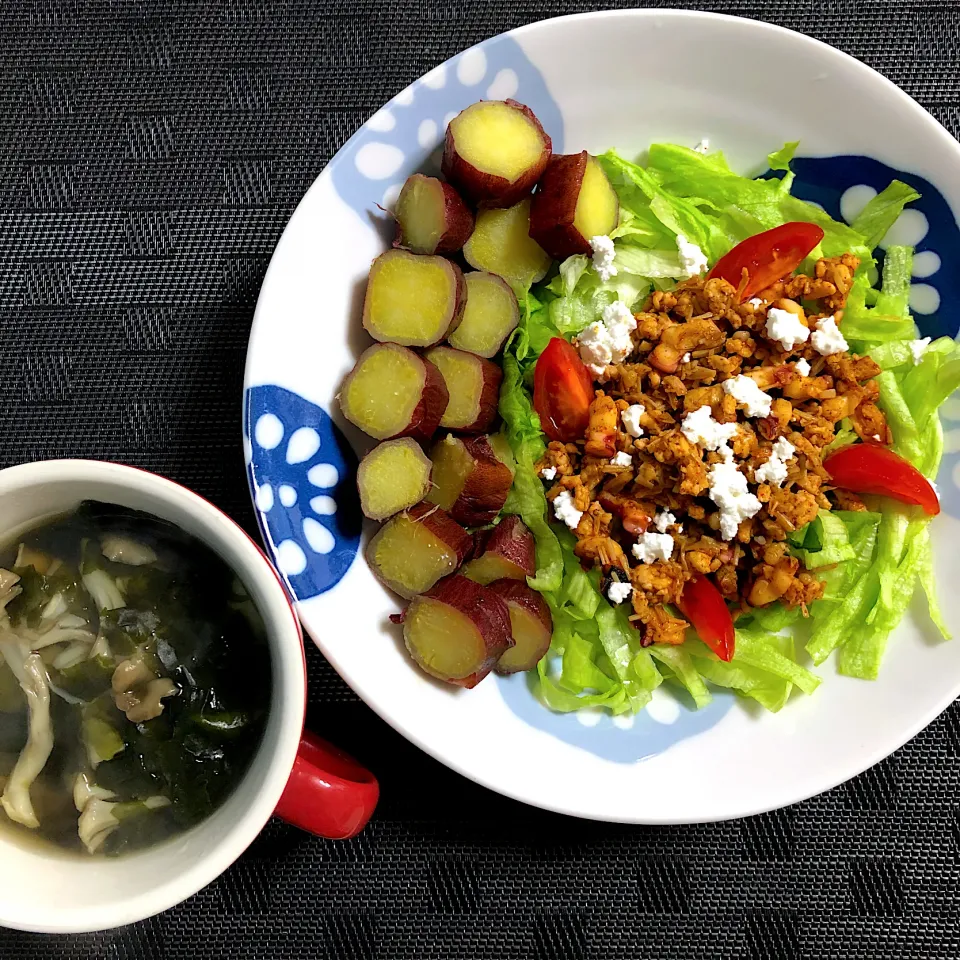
531,626
415,549
494,152
573,203
458,631
508,552
470,481
393,392
392,477
501,244
411,299
490,315
431,217
504,452
473,385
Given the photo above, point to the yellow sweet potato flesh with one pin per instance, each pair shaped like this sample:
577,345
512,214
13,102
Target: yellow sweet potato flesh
383,392
497,139
490,315
459,371
408,558
420,209
501,244
452,465
597,205
530,639
392,477
444,641
490,567
411,299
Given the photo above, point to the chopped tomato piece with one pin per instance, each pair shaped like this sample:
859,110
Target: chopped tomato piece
703,605
870,468
562,391
768,257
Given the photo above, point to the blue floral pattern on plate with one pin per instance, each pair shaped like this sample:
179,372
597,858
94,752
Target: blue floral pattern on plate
392,144
302,473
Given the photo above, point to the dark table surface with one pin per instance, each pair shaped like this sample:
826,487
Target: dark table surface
152,151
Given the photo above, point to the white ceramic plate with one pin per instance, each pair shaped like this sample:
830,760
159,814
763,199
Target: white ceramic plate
622,79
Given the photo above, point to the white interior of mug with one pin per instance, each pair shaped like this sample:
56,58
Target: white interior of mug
43,890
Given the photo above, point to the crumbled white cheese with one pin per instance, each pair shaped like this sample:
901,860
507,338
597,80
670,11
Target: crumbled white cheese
665,521
548,473
802,367
693,261
700,427
728,490
653,546
622,460
775,469
918,348
603,254
746,392
756,302
685,358
703,146
631,419
564,510
827,338
618,592
619,314
607,341
785,327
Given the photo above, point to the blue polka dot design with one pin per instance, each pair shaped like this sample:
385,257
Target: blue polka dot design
405,136
302,473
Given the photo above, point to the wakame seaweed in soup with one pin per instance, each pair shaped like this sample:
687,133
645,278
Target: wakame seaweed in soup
134,681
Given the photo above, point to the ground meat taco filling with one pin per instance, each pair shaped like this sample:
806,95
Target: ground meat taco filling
704,449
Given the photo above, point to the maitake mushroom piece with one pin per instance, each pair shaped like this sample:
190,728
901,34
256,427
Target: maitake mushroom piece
138,691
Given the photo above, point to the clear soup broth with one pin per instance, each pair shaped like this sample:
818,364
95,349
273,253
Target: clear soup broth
134,681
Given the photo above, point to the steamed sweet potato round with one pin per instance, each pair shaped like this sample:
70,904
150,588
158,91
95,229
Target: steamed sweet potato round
411,299
490,315
415,549
431,217
508,552
474,388
494,152
470,481
458,631
501,244
531,626
574,202
393,392
392,477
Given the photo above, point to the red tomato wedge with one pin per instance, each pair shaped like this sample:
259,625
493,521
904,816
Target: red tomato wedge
703,605
870,468
562,392
767,257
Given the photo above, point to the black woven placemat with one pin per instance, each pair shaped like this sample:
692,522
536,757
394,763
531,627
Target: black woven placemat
152,151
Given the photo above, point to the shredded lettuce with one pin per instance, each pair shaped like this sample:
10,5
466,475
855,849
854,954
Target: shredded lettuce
869,560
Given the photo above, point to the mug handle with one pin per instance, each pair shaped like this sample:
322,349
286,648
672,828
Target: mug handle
328,794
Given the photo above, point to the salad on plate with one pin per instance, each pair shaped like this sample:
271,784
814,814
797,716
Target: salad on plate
644,422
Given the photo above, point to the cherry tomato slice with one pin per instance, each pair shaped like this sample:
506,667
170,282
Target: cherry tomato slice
703,605
562,392
870,468
767,257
